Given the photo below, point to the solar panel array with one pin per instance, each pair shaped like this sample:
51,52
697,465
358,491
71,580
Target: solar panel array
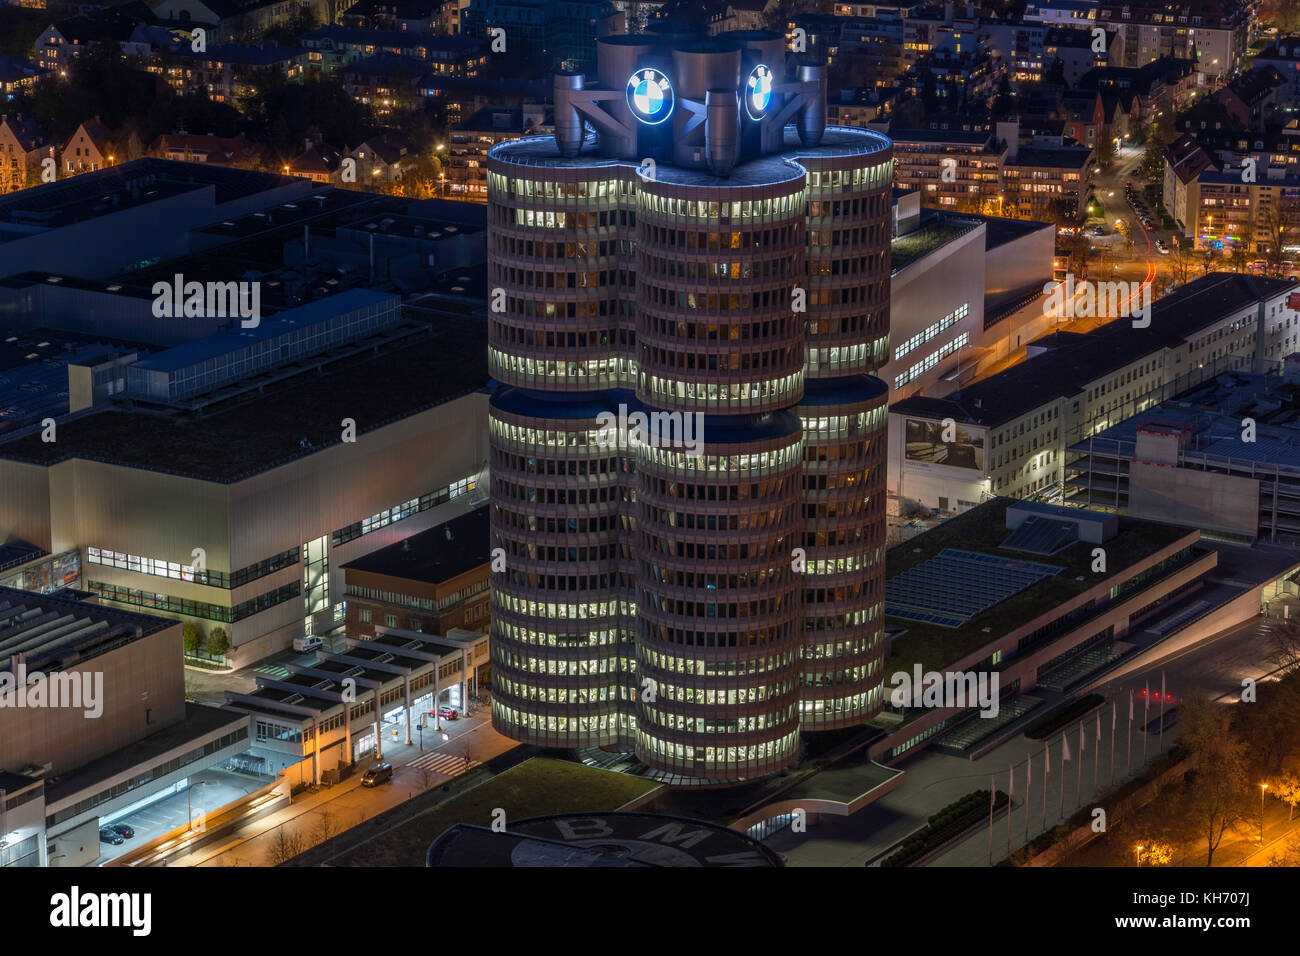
954,586
1041,536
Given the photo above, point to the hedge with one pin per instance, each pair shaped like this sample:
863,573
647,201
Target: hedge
943,826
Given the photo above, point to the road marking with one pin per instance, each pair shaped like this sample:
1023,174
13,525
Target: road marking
445,763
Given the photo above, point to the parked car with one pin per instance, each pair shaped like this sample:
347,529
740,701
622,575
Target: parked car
379,773
122,830
307,643
109,836
446,713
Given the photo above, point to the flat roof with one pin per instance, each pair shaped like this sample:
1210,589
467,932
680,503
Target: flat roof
433,556
135,183
200,721
47,628
252,432
1071,360
222,343
935,231
1211,414
983,529
762,170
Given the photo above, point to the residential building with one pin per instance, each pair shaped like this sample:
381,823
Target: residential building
229,72
471,141
317,162
22,148
1211,33
237,152
387,157
89,149
952,168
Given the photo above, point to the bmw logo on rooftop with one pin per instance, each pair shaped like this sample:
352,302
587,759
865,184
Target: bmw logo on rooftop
650,96
758,92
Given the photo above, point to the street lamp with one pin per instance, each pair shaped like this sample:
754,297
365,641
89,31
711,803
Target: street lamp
189,813
442,178
1262,788
1137,854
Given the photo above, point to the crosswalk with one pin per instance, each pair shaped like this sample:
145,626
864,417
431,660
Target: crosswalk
444,763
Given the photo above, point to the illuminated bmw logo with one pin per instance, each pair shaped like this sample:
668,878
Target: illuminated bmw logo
650,96
758,92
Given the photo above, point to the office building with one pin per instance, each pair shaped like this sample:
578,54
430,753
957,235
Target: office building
64,772
431,582
1008,434
698,605
224,474
1219,456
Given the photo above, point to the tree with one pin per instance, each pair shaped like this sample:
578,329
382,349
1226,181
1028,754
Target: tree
218,642
1285,640
1105,152
1215,798
1290,854
1271,725
1154,853
191,636
325,828
1287,789
1275,231
284,847
1237,257
1152,167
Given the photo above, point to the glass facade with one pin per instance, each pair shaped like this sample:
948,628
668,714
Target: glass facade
699,599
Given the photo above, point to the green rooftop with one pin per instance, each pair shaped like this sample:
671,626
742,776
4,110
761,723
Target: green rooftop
535,788
983,529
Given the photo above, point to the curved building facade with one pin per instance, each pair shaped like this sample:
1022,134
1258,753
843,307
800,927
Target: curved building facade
689,288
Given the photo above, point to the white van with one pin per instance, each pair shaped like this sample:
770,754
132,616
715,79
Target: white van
307,643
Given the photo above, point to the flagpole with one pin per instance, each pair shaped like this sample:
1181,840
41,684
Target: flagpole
1096,758
1162,712
1112,741
1078,770
1128,766
993,798
1146,717
1029,789
1064,746
1011,788
1047,772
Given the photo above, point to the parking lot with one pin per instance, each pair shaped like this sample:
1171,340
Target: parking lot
207,790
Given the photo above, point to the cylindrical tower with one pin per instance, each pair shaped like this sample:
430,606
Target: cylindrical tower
716,270
562,639
844,412
688,442
718,624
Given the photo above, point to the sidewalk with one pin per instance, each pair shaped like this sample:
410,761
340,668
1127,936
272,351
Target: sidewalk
315,817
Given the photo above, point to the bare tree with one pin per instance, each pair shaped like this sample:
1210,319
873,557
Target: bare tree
1285,640
1180,260
1275,232
284,847
325,827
